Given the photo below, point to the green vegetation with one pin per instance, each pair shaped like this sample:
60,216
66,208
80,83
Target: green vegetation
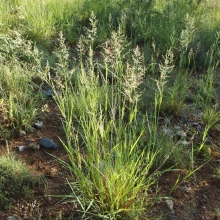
19,96
138,66
15,180
217,213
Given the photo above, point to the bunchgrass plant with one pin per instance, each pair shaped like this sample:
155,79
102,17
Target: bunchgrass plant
116,148
115,98
20,96
110,165
15,178
19,104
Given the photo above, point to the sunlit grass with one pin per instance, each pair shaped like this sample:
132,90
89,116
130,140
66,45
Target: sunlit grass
116,98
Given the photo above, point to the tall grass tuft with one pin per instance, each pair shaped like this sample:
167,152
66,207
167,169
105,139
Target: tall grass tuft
111,174
19,95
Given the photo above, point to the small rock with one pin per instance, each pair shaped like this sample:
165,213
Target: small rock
61,128
11,218
177,127
22,133
168,132
181,134
186,189
49,199
169,203
197,126
53,172
48,91
201,202
34,146
47,143
184,143
21,148
30,129
203,207
38,124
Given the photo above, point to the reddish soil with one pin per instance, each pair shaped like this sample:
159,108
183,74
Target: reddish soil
195,198
40,162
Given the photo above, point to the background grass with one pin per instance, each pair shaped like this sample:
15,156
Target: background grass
143,20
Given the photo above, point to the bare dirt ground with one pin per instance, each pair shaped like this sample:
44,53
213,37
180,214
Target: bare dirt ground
40,162
195,198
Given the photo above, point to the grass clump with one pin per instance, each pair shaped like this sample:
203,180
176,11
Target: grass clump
15,181
119,100
107,158
116,146
19,97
